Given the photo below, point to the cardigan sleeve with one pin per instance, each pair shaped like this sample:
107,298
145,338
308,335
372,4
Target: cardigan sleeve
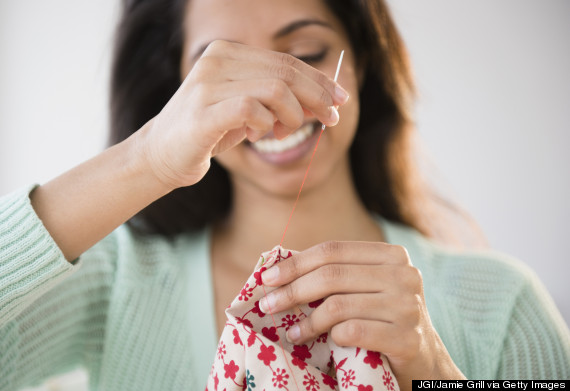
537,341
52,312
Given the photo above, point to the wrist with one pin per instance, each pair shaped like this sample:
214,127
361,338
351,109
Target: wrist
145,164
141,164
443,367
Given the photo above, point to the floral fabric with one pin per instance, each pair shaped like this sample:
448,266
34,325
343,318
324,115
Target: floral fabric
249,356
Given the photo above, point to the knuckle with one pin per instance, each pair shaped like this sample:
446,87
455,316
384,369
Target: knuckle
334,306
353,331
323,79
206,64
245,107
330,249
332,273
290,294
401,253
413,279
287,59
286,73
307,326
325,98
294,266
416,276
217,45
297,122
278,89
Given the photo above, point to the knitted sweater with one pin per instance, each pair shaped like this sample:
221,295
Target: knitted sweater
137,311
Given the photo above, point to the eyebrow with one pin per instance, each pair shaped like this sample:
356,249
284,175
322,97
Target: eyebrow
288,29
300,24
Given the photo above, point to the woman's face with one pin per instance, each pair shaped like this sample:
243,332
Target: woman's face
273,166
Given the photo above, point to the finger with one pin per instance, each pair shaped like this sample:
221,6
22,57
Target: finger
272,93
325,281
273,79
383,337
339,308
242,115
311,95
405,312
231,138
366,253
281,63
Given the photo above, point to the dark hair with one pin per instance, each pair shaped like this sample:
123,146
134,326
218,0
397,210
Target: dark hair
146,73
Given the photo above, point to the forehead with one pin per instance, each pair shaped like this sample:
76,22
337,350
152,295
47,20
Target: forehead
247,21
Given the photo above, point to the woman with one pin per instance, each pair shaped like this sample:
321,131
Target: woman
248,83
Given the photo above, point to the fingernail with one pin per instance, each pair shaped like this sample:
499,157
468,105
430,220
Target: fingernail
270,275
341,94
267,303
293,334
334,115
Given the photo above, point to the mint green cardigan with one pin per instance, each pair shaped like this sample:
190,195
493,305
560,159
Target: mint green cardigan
137,312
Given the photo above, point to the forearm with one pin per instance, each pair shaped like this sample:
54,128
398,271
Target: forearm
85,204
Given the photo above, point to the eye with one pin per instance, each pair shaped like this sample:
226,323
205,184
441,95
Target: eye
313,58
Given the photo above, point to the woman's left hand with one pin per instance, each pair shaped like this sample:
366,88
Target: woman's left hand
373,299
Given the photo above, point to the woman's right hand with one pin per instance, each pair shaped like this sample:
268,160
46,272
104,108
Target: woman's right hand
233,92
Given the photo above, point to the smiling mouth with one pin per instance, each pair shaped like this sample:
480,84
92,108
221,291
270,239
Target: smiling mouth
274,146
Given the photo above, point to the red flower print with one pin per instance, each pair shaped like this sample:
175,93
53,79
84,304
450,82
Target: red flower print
221,350
230,370
322,338
299,363
237,339
251,339
267,354
270,333
257,276
300,354
373,358
301,351
348,378
362,387
329,381
280,378
311,383
288,321
245,293
387,377
245,322
257,311
316,303
216,382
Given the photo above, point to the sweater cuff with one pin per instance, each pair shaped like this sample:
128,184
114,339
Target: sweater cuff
31,263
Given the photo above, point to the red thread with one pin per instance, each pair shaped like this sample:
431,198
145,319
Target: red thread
287,226
302,184
283,238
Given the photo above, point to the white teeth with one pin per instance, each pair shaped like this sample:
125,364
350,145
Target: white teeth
272,145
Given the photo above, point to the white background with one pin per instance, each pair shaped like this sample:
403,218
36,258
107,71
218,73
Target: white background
494,108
